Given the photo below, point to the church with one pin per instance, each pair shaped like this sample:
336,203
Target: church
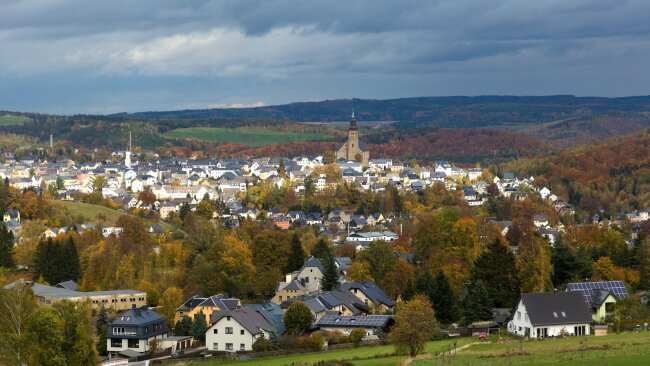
353,149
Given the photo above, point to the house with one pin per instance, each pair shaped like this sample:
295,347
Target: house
130,333
237,330
600,297
370,294
336,301
11,215
206,305
303,281
372,324
540,220
551,314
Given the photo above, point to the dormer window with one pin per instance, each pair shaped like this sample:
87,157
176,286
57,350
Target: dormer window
555,314
563,314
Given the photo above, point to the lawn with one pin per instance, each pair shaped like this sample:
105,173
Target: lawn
8,119
244,135
363,356
90,212
613,350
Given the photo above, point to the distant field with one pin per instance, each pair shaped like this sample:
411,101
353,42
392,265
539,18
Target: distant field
7,120
244,135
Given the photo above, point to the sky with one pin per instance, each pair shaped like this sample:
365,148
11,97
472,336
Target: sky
99,57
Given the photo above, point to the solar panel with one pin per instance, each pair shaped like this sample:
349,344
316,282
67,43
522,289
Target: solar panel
588,289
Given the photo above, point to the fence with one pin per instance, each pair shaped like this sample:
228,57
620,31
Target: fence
257,355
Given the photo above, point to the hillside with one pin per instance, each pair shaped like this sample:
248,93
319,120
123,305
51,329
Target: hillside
613,175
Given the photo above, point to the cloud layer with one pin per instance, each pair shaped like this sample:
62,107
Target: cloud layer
72,56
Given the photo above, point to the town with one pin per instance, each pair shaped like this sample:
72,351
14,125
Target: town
347,263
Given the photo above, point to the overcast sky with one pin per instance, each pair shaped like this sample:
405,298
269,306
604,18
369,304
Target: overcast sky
79,56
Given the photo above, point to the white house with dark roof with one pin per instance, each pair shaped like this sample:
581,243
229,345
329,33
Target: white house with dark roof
237,330
550,314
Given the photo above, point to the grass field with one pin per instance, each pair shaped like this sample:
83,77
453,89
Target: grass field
244,135
7,119
363,356
91,211
624,349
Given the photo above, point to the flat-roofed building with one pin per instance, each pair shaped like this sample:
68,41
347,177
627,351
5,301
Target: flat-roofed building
111,299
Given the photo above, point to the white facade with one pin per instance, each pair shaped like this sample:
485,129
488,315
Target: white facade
227,334
123,344
521,325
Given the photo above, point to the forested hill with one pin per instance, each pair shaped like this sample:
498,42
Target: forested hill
480,111
613,175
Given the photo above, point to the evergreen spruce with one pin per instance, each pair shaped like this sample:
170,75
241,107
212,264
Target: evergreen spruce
199,327
6,247
477,305
497,270
321,249
186,325
330,279
568,266
297,256
71,269
425,284
444,300
101,327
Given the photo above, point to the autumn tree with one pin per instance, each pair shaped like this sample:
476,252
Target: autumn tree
45,334
297,318
415,324
604,268
169,301
380,257
78,345
17,304
534,261
147,196
359,270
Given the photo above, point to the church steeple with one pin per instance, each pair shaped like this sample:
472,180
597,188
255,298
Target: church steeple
353,121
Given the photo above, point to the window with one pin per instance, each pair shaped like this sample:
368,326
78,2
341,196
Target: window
563,314
134,343
241,332
228,346
555,314
228,330
519,315
216,331
115,342
228,318
242,347
526,316
215,346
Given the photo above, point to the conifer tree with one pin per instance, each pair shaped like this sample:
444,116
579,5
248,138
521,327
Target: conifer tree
297,256
477,304
330,278
101,326
199,327
321,249
70,257
496,268
6,247
444,300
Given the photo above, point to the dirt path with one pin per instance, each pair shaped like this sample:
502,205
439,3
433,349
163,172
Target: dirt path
429,356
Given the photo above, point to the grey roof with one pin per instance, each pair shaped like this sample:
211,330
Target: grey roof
556,308
371,290
221,301
272,312
68,285
313,262
51,291
247,317
138,317
365,321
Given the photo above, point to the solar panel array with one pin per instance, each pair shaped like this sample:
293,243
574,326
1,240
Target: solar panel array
587,288
363,321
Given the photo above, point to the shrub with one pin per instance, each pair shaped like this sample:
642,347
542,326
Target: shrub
357,335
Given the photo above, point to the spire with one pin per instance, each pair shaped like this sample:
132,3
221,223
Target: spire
353,121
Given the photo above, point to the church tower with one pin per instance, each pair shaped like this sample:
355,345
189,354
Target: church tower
353,149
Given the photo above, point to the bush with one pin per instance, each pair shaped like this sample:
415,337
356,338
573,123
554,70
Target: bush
262,344
357,335
335,337
316,342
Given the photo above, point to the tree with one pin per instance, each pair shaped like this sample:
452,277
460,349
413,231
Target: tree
70,259
415,324
444,300
101,328
359,271
17,305
297,256
44,329
477,304
78,345
297,318
199,327
263,344
497,269
604,268
357,335
535,265
205,208
183,326
169,301
98,182
330,278
380,256
147,196
567,265
321,249
154,346
6,247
